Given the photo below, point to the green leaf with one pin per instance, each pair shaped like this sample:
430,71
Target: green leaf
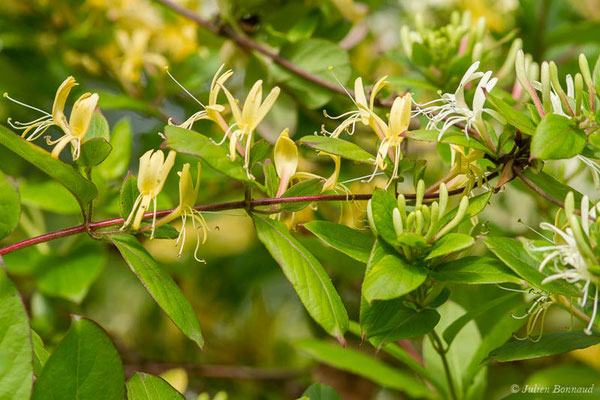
84,364
450,243
364,365
557,137
513,117
420,55
319,391
48,195
553,187
10,206
449,137
474,270
347,240
193,143
476,205
314,56
388,321
452,330
83,190
98,127
129,192
40,354
94,152
340,147
549,344
117,161
390,278
512,253
306,275
382,207
70,276
311,187
160,286
142,386
16,369
112,101
162,232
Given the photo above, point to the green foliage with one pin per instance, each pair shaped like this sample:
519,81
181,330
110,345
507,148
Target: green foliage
10,206
339,147
556,137
142,386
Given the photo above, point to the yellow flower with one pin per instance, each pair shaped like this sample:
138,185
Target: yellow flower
188,194
74,130
248,118
136,54
465,171
330,183
152,175
285,156
213,110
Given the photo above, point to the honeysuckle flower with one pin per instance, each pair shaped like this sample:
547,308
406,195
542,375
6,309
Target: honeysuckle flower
364,111
465,171
330,183
213,110
285,157
74,129
247,118
455,110
152,175
135,54
188,194
572,253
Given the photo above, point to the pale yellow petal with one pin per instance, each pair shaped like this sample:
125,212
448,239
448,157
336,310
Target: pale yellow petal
58,109
82,113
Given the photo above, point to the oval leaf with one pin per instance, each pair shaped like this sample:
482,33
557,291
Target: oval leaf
307,276
474,270
342,148
143,386
557,137
160,286
84,364
347,240
390,278
450,243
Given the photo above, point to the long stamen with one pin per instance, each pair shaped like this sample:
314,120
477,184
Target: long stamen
183,88
26,105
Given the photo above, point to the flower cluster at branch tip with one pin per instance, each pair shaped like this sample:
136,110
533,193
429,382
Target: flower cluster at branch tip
573,251
153,172
420,227
188,194
74,129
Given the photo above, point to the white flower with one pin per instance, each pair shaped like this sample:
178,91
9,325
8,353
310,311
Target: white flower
455,110
571,254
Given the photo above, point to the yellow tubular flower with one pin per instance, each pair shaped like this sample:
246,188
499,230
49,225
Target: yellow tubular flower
74,130
188,194
152,175
248,118
465,170
285,156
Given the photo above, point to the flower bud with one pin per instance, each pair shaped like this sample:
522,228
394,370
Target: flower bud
397,219
545,75
420,193
285,157
587,77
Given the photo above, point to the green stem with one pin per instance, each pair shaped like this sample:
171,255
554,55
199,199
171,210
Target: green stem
439,348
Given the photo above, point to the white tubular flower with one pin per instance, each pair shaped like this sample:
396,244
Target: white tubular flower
572,255
452,109
152,175
74,130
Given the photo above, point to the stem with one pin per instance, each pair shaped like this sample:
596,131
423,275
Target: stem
246,43
438,346
230,205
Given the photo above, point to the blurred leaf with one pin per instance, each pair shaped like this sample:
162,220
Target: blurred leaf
391,277
452,330
549,344
162,232
98,127
340,147
84,364
450,243
548,184
117,161
94,152
307,276
474,270
319,391
71,276
40,354
364,365
193,143
388,321
420,55
557,137
111,101
83,190
311,187
160,286
48,195
314,56
577,33
513,117
10,206
142,386
512,253
347,240
16,369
